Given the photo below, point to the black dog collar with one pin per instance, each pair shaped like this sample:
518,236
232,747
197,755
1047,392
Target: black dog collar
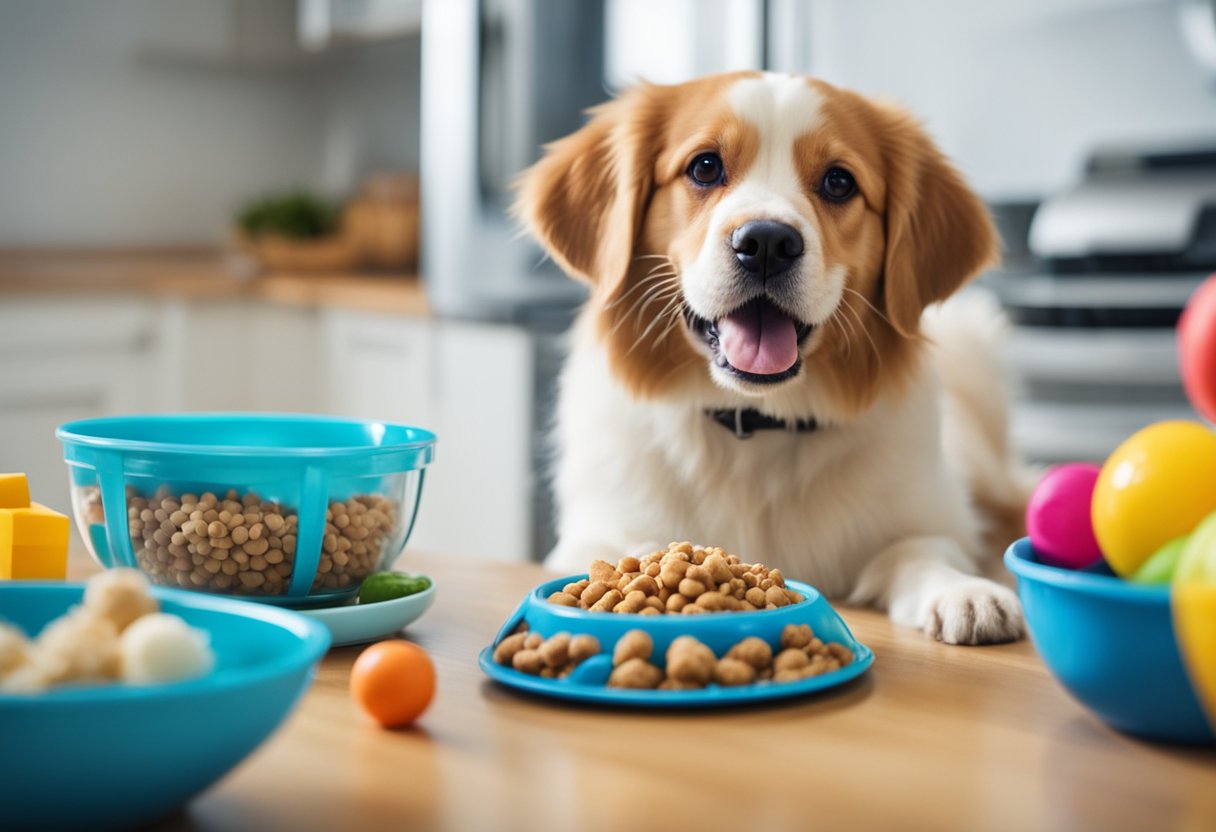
743,422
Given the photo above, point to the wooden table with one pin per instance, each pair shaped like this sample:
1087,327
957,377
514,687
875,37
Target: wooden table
933,737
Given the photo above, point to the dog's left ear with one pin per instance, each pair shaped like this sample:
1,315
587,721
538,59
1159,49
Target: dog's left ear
584,200
939,232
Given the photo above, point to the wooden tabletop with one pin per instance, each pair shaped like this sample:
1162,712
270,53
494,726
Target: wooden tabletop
932,737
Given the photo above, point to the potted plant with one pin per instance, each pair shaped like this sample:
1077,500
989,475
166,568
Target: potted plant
296,231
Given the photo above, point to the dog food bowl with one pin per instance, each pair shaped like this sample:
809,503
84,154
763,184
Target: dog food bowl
287,509
115,755
719,631
1112,645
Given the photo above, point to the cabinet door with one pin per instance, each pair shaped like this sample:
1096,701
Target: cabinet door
478,494
63,360
378,366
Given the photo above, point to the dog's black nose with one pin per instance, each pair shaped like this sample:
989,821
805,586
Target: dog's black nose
766,247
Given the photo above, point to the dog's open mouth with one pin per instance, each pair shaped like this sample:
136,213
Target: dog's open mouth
757,342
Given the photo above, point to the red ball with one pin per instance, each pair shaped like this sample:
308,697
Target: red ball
1197,349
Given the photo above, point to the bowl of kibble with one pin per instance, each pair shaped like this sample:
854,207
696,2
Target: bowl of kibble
286,509
120,701
686,626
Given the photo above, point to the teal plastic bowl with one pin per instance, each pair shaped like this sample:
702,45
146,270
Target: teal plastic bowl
137,480
1111,644
114,755
719,631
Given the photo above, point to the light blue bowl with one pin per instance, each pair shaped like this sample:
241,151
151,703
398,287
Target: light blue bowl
299,462
115,755
1111,644
718,631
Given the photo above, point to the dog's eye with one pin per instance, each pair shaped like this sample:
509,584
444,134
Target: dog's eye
706,170
838,185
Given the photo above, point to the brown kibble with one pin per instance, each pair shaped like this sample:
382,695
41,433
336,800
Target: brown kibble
594,592
690,661
508,647
635,644
609,600
730,672
565,599
532,641
690,588
796,635
555,652
583,647
716,566
673,572
628,564
256,547
775,595
636,674
644,584
676,603
840,653
752,650
528,661
790,659
633,602
601,570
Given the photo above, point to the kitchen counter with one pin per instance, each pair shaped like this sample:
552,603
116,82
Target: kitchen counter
198,274
933,737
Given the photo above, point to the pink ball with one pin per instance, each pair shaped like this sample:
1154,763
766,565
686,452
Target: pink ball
1058,518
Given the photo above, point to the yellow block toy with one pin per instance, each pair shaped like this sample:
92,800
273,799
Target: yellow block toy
33,538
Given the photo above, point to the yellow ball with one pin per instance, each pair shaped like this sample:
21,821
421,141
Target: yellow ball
1155,487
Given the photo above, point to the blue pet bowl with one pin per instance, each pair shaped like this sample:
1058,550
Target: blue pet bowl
1111,644
115,755
130,476
719,631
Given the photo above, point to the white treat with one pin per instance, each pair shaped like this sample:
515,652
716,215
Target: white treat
28,678
79,646
120,595
163,648
15,649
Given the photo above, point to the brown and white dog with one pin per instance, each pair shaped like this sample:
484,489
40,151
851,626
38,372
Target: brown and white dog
761,249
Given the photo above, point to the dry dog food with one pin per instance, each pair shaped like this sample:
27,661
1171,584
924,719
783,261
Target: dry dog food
116,633
245,545
683,579
692,665
552,658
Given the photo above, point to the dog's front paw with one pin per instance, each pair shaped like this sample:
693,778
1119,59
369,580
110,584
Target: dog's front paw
974,611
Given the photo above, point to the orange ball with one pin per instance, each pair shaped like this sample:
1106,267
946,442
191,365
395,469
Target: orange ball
393,682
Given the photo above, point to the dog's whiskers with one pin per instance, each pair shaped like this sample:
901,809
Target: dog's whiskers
866,301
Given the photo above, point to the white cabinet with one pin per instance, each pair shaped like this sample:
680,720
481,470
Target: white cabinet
238,354
472,385
67,359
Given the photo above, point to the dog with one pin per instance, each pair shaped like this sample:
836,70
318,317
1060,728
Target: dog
755,367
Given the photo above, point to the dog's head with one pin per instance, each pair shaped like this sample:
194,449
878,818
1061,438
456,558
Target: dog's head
761,229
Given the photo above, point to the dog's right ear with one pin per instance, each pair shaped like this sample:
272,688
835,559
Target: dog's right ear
584,200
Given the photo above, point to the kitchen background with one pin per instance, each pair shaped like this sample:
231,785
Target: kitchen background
135,135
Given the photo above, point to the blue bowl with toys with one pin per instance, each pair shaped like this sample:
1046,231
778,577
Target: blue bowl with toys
595,645
276,508
116,754
1111,643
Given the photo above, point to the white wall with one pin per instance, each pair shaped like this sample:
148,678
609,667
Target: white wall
120,125
1017,92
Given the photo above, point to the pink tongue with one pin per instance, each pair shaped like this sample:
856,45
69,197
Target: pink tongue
759,339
